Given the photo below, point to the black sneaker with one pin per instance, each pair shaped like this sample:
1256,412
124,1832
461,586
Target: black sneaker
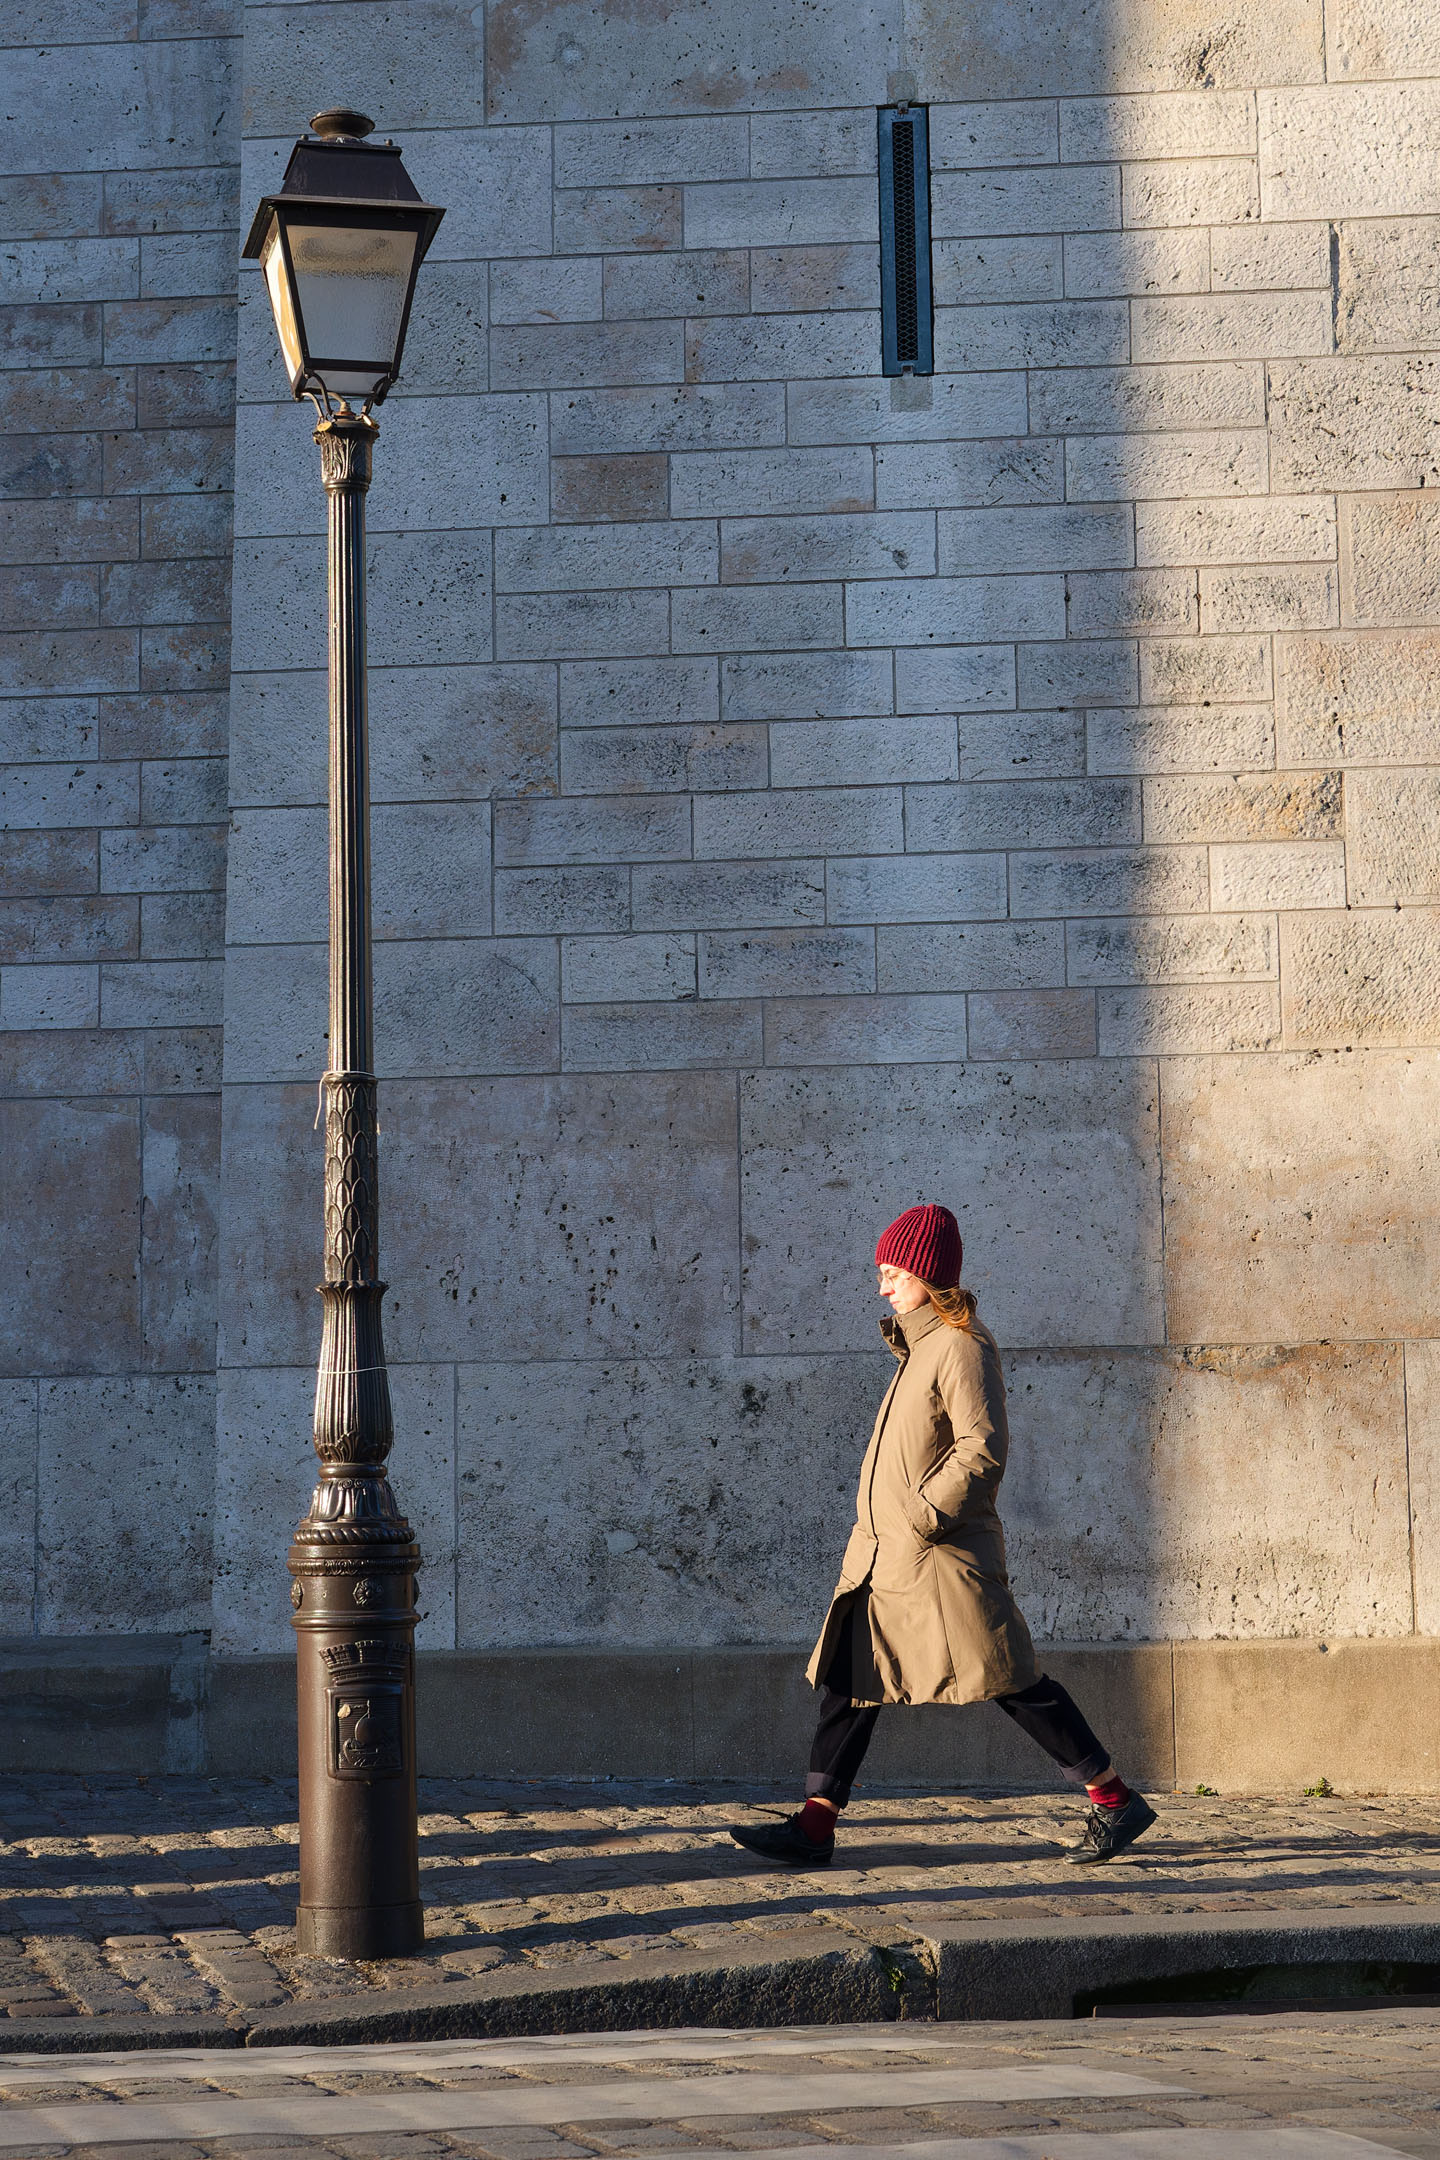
1108,1830
784,1841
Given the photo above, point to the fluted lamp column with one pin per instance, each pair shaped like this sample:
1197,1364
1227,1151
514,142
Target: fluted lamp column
340,247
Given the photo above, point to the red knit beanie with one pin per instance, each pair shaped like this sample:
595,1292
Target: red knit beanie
925,1241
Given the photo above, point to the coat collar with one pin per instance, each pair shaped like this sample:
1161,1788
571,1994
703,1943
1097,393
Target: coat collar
903,1330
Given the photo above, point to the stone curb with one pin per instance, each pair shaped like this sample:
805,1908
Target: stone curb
1036,1968
995,1971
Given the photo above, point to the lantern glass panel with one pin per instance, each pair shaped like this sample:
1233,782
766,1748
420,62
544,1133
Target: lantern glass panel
273,264
351,283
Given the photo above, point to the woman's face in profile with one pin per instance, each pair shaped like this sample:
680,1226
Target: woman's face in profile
901,1291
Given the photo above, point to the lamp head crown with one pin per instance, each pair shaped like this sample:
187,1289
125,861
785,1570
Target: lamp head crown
339,124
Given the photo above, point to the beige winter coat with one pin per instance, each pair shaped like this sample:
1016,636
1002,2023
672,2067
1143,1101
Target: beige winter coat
927,1555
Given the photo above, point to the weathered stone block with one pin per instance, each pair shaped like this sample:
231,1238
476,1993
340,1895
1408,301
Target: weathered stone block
579,625
1115,1526
551,289
1065,537
496,185
1220,394
81,927
1295,528
1198,124
1272,1168
534,902
430,55
1192,192
1004,51
18,1424
182,926
161,993
583,489
180,1181
49,997
149,1445
802,686
655,761
656,1037
705,281
691,416
742,348
936,475
1068,1253
1385,284
1166,1022
780,213
915,888
1074,333
1219,669
1357,150
1096,672
1184,462
691,58
1358,979
1364,700
1172,949
689,1534
1282,806
599,693
163,858
859,753
761,550
1105,265
786,963
538,559
963,678
940,956
49,730
576,355
1278,874
1180,739
786,145
1354,423
941,408
1422,1433
731,483
1033,1024
48,205
1392,824
97,530
714,147
1131,603
1278,258
1022,132
68,661
859,1031
777,618
1030,268
1388,550
52,335
944,610
972,203
728,896
1016,746
598,970
625,829
1023,814
798,821
1290,599
1111,881
844,274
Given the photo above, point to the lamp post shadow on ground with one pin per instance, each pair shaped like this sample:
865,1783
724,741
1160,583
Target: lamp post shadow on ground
340,247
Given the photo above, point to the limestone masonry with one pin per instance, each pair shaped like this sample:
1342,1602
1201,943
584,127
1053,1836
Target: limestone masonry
798,792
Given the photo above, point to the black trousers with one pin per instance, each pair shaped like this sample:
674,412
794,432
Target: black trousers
1046,1711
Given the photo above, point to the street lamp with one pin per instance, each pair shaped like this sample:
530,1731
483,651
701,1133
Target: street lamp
340,246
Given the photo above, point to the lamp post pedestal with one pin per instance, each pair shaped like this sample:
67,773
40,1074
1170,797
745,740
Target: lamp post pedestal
354,1560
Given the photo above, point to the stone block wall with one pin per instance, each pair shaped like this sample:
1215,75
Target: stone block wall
119,149
799,792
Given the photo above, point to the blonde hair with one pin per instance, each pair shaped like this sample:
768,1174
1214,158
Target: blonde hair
956,1306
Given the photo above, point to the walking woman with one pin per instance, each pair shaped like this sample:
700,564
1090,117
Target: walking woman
923,1612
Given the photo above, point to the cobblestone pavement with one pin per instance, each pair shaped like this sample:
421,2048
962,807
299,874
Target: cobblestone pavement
175,1896
1291,2088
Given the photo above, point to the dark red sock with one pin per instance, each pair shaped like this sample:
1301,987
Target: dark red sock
817,1822
1109,1791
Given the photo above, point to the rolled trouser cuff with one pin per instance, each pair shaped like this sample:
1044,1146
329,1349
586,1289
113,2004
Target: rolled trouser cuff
820,1785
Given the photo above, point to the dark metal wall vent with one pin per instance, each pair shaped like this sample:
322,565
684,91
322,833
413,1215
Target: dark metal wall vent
907,338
